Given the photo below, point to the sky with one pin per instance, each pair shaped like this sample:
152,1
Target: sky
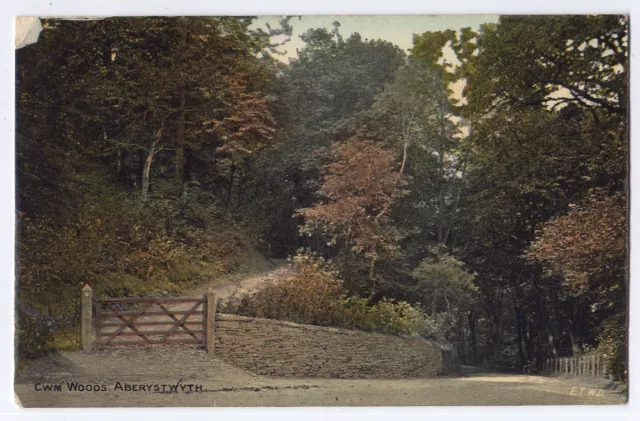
396,29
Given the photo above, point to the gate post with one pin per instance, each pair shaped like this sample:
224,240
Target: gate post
86,318
211,301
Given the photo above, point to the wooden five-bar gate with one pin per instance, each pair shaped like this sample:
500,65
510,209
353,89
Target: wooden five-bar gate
147,321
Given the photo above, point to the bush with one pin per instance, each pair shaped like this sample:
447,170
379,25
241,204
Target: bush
32,338
315,296
385,316
613,344
308,297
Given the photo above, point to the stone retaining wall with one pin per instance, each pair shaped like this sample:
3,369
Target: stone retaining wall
277,348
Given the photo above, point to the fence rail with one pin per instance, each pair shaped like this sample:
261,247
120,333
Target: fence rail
588,365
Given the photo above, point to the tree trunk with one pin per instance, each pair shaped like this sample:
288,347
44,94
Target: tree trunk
472,329
139,163
348,270
180,127
454,211
529,339
575,349
496,314
496,336
180,142
519,329
146,171
372,270
242,183
433,304
406,135
147,164
232,172
404,155
441,227
188,159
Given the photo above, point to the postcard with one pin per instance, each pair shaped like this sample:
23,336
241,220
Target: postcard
416,210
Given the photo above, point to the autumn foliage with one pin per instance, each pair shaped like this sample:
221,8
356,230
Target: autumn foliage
307,297
358,189
249,123
588,245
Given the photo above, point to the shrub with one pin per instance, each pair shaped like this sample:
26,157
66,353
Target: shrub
613,344
385,316
32,339
308,297
315,296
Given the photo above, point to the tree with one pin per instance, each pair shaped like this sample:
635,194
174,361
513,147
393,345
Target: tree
443,280
141,90
318,98
430,47
581,60
359,188
503,211
588,245
333,81
413,111
414,114
545,97
539,147
442,285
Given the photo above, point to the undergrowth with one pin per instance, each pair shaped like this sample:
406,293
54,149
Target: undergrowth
313,295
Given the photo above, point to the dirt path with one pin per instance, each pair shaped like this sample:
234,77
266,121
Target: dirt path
121,370
238,288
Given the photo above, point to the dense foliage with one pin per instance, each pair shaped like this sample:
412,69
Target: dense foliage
125,156
155,153
315,296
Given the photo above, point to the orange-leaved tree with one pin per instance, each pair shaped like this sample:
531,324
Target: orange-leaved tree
588,245
358,189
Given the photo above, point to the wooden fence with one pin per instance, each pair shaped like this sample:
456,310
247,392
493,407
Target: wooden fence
150,321
588,365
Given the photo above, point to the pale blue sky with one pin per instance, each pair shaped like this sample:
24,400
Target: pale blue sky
396,29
